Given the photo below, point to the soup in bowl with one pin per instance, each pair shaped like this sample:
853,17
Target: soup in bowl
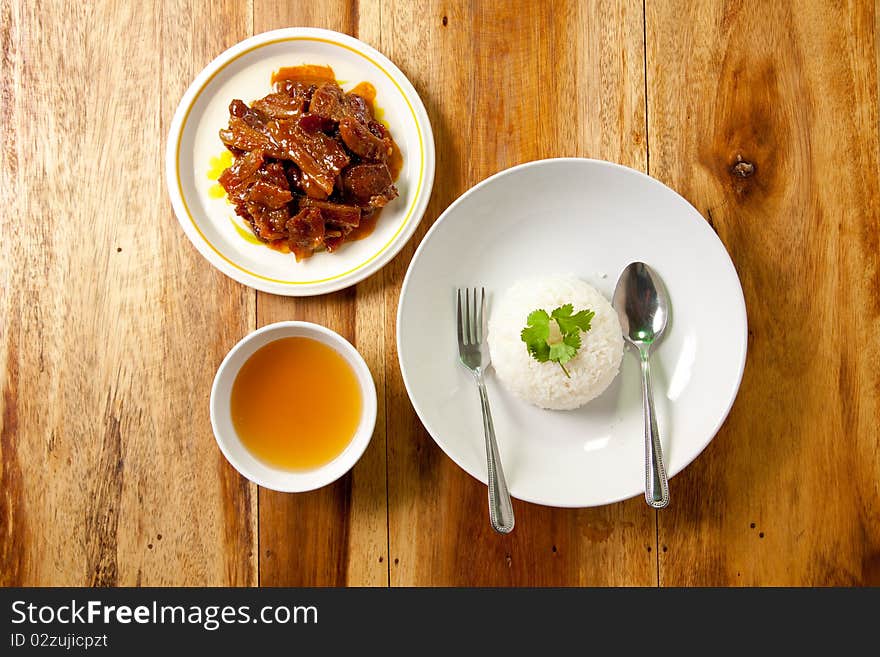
293,406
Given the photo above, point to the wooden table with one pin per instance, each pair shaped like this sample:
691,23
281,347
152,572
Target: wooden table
764,115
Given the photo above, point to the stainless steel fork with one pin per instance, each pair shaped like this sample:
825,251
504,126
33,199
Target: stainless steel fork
474,355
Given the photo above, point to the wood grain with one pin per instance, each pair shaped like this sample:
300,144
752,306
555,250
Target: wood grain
337,535
113,325
494,77
765,115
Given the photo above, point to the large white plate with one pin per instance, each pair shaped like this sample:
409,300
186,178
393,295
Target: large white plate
244,72
591,219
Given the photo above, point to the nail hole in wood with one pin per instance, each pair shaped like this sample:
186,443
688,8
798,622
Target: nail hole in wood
742,168
445,21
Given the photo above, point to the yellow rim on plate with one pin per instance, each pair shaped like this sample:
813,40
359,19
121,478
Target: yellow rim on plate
406,217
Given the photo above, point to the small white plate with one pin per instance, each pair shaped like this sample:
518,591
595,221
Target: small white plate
591,219
244,72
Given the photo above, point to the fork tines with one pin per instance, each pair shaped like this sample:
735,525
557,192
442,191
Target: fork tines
471,315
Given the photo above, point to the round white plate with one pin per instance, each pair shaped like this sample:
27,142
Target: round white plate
591,219
244,72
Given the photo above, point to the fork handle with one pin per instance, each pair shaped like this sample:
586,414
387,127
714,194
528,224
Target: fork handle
500,506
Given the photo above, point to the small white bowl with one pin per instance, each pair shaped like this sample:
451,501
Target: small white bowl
238,455
244,72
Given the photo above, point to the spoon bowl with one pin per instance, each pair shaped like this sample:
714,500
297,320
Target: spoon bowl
642,305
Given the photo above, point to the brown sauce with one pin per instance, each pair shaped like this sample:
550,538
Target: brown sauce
368,224
310,73
366,91
313,165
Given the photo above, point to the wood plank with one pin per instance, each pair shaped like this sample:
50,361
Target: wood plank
787,493
113,324
337,535
504,83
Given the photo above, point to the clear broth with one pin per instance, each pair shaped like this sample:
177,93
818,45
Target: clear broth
296,403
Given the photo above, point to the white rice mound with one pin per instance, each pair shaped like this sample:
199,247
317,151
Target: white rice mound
544,384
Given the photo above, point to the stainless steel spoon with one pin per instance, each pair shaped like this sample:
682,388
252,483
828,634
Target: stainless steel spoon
642,306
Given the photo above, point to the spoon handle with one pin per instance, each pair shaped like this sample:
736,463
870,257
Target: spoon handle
656,484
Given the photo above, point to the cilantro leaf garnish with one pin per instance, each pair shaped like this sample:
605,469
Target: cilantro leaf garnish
536,334
568,323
